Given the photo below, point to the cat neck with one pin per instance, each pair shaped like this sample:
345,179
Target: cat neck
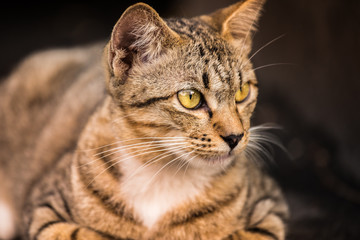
156,189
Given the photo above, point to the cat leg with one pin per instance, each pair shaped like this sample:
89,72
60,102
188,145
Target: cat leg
46,223
271,228
266,221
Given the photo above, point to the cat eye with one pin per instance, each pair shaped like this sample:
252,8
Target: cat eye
190,98
242,94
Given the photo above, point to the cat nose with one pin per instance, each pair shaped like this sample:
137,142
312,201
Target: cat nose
233,140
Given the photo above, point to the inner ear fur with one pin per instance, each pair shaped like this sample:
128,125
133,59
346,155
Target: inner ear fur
139,35
237,22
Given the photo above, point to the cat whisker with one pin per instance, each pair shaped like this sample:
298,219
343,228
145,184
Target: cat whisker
152,161
188,162
261,142
167,154
117,150
137,145
132,139
260,49
129,156
259,152
185,162
122,160
157,144
273,64
163,167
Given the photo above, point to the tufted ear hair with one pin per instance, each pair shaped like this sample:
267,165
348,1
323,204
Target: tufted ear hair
237,22
140,35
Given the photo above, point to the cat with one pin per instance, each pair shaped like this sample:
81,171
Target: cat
150,139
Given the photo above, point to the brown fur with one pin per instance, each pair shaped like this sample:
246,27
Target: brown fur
73,152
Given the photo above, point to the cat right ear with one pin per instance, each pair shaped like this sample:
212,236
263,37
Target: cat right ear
237,22
139,36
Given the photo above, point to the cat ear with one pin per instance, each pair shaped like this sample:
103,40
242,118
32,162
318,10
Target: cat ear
139,35
237,22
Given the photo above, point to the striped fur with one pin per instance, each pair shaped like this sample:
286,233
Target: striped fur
106,151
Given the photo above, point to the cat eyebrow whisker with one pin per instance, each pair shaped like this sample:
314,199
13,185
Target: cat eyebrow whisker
261,48
273,64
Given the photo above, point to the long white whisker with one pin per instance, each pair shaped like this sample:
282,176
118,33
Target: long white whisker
261,141
156,145
146,151
273,64
185,162
170,162
137,145
264,46
156,159
189,160
133,139
122,160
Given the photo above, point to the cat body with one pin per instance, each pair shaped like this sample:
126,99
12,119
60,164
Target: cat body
149,143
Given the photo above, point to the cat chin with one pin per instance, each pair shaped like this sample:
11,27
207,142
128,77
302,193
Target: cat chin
215,162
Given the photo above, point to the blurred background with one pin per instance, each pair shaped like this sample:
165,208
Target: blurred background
315,99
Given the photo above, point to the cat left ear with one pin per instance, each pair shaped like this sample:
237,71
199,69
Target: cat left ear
237,22
139,35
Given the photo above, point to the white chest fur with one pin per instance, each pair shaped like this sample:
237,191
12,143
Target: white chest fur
151,197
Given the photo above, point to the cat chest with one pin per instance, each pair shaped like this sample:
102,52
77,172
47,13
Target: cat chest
151,198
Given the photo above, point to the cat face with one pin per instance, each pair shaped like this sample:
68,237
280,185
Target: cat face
187,80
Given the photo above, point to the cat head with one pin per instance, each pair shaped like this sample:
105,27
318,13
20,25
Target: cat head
187,80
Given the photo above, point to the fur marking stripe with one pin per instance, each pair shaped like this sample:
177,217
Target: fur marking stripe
240,77
107,235
116,208
205,79
149,102
74,234
193,215
49,206
45,226
66,205
253,207
110,167
147,124
262,232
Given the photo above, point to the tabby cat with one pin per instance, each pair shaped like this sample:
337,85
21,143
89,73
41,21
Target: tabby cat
150,141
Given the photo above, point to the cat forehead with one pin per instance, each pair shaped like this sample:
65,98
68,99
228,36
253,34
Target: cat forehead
214,62
198,32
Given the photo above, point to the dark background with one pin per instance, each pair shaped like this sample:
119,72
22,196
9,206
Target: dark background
316,99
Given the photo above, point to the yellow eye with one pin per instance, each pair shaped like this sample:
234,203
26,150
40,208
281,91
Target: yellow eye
189,98
242,93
